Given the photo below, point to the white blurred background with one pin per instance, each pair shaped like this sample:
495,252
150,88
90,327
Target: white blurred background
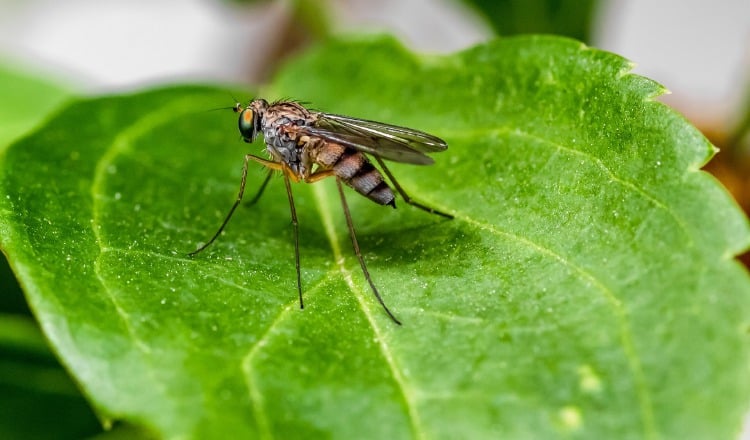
697,48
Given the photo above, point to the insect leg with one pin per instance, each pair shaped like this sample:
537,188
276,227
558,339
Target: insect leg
295,227
319,175
355,245
248,157
406,197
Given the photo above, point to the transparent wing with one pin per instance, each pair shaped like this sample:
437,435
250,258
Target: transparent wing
387,141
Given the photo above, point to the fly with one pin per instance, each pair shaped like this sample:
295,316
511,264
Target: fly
309,146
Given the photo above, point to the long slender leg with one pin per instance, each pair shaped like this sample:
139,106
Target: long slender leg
248,157
295,226
355,245
406,197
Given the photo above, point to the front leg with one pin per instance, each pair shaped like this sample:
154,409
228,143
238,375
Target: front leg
270,164
248,157
319,175
276,166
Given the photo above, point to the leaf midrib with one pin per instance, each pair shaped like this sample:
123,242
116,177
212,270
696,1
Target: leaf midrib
324,209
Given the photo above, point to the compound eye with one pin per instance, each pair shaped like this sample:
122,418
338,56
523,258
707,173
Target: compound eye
247,124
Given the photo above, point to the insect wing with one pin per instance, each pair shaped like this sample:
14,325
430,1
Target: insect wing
416,139
388,141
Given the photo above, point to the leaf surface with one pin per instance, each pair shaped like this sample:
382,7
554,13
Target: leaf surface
586,287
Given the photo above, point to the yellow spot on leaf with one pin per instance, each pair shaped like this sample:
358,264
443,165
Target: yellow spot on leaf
588,380
570,417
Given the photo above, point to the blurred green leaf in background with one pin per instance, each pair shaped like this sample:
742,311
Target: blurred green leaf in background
571,18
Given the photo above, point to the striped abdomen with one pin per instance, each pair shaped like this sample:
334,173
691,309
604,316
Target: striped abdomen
354,169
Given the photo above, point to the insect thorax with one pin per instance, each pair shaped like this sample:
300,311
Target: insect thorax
281,146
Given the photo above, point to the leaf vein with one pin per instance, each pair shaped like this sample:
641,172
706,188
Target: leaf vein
407,392
121,144
626,340
248,362
597,162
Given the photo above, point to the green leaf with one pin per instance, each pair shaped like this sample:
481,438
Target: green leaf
571,18
586,287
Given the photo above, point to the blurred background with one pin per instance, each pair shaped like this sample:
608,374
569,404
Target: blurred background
699,49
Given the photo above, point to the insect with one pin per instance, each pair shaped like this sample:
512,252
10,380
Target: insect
309,146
